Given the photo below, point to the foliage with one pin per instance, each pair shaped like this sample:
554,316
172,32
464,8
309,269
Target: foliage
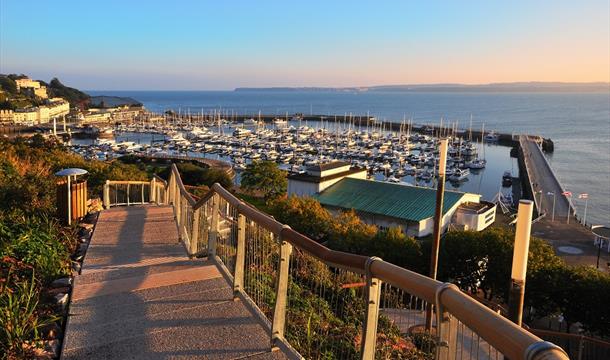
74,96
8,85
27,168
475,261
265,177
37,241
195,175
303,214
20,321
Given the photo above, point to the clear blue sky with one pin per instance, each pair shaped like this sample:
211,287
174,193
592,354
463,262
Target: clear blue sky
113,45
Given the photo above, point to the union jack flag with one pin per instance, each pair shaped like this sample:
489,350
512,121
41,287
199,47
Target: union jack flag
567,193
583,196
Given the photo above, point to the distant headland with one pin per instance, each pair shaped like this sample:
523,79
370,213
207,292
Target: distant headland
554,87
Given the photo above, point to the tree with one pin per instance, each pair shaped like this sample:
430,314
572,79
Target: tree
266,177
303,214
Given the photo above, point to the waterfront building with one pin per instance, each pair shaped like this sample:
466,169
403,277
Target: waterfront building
317,178
55,108
409,207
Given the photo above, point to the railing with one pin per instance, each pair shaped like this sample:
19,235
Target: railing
118,193
579,347
324,304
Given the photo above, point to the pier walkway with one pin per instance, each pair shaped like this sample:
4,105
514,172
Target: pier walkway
139,296
543,180
571,240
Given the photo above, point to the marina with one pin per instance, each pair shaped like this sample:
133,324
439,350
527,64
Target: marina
406,155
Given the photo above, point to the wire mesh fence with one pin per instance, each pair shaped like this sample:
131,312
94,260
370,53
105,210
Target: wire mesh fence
226,247
325,309
261,263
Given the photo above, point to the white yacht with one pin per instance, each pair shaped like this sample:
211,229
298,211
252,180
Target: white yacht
459,175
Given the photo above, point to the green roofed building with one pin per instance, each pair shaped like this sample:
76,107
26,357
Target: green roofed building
409,207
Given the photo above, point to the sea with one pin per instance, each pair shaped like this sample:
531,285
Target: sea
578,124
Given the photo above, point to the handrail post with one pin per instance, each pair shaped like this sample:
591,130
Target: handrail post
446,327
238,279
128,194
213,236
373,295
107,194
142,193
281,291
194,238
177,206
152,193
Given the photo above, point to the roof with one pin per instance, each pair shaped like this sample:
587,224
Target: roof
405,202
316,179
328,166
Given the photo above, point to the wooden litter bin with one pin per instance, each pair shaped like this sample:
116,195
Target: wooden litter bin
78,200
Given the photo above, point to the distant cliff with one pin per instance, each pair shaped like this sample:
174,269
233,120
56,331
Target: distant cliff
552,87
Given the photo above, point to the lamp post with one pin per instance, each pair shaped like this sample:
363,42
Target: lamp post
586,197
438,221
519,268
540,210
553,212
68,173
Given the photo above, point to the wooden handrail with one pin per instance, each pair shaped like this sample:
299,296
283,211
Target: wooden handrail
183,191
508,338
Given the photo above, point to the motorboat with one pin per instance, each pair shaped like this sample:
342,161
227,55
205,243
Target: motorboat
492,136
459,175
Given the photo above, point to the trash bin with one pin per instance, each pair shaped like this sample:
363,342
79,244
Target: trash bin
71,195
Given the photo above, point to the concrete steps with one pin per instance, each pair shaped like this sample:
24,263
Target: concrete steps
140,297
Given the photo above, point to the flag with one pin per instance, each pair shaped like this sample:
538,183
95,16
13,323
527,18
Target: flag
583,196
567,193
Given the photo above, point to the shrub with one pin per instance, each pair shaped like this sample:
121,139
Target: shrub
20,322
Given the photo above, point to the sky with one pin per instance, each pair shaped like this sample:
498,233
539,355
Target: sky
217,45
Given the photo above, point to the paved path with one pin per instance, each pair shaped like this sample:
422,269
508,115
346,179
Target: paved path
140,297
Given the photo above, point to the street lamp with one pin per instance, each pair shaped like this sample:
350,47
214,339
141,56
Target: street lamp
69,173
553,212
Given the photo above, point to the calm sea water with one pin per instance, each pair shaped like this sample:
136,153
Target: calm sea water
579,124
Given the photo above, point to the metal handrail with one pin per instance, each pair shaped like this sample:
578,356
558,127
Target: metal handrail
511,340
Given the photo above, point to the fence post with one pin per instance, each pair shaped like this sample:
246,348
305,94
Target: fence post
238,279
152,193
581,347
213,236
193,248
177,207
142,193
128,193
373,294
107,194
281,291
446,327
